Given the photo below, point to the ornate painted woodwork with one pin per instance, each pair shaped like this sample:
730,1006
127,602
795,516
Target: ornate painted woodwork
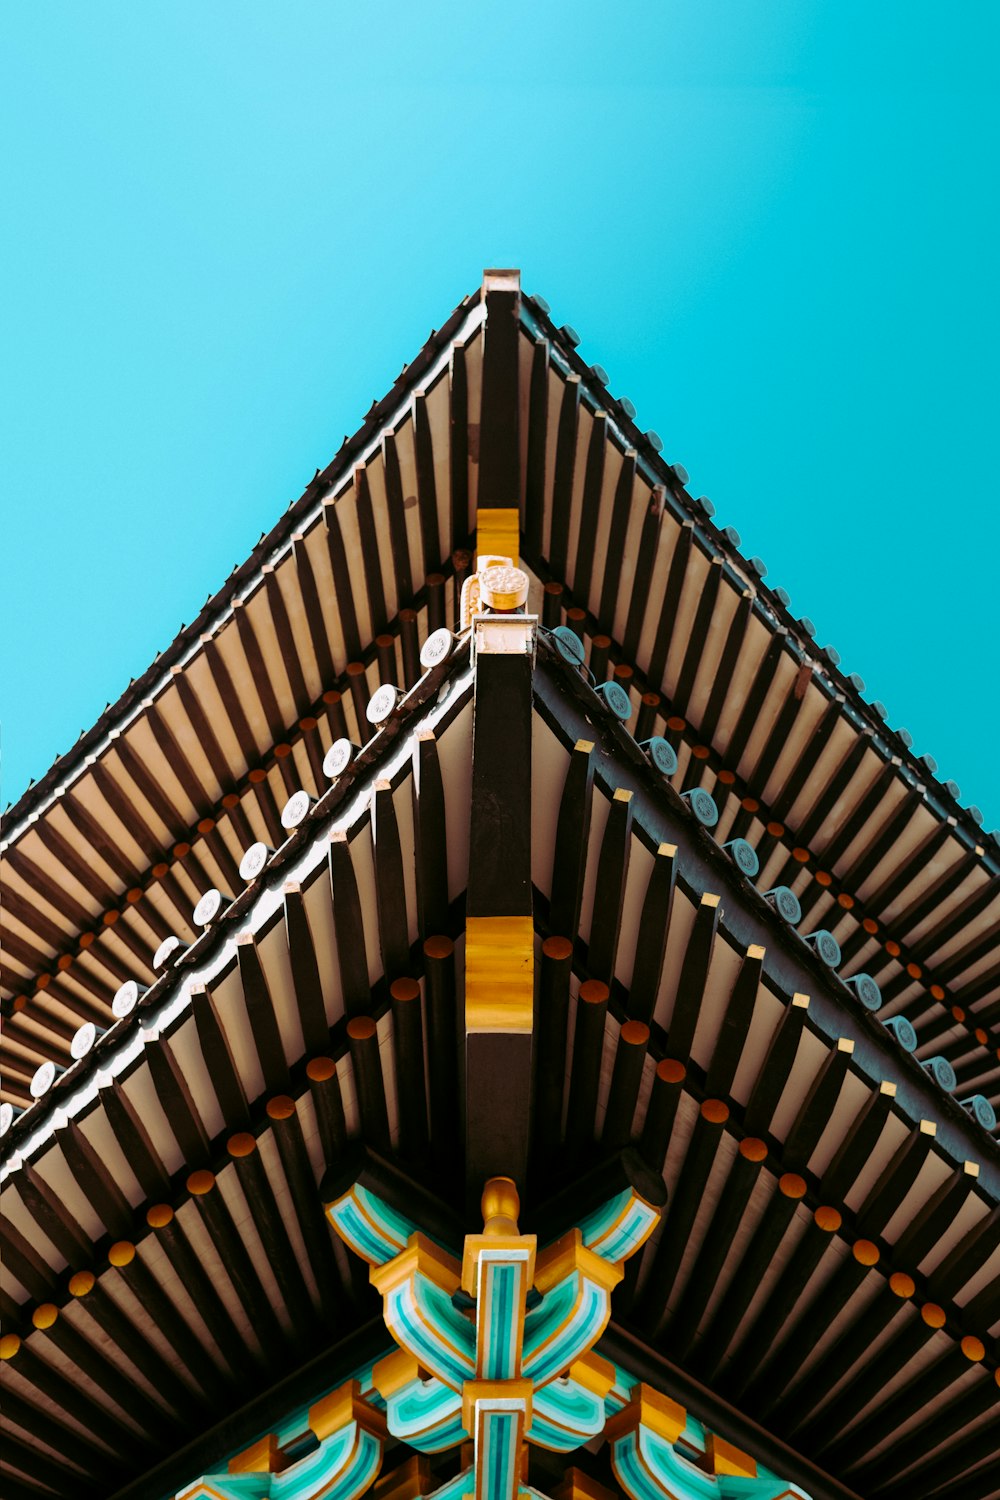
617,860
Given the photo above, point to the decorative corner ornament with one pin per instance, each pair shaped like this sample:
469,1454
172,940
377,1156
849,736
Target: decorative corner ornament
351,1434
497,586
474,1359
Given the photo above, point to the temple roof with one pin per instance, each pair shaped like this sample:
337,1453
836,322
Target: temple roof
112,849
826,1262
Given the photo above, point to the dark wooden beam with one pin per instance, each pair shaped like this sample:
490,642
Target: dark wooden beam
699,1161
649,540
305,971
726,1219
53,1217
282,1111
370,550
572,837
774,1070
550,1073
499,440
237,1262
430,836
676,575
189,1268
245,1155
103,1318
40,1468
758,1253
585,1073
309,590
135,1141
609,889
390,885
46,1426
442,1047
174,1094
693,978
942,1476
261,1013
342,587
423,451
499,948
562,484
651,942
408,1055
792,1397
614,558
369,1082
459,446
634,1354
91,1361
697,641
626,1080
171,1323
395,508
95,1179
593,483
67,1393
661,1111
349,927
328,1103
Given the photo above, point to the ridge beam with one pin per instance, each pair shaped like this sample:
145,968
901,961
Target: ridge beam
499,948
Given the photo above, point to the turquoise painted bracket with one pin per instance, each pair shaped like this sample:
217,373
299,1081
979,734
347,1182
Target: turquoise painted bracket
423,1320
341,1468
369,1226
619,1227
427,1415
568,1321
565,1415
649,1466
419,1284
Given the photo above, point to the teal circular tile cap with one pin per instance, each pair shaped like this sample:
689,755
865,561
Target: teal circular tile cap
941,1071
616,698
865,990
743,856
981,1110
569,645
337,759
661,753
785,903
382,703
903,1031
702,804
825,944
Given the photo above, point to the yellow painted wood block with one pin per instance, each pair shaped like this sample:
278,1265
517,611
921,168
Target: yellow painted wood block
499,973
498,532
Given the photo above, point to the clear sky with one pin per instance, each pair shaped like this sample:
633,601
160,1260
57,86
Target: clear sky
773,222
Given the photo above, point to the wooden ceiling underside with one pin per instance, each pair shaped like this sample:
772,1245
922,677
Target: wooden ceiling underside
828,1258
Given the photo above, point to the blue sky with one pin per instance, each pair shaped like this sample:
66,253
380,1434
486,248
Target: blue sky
229,225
